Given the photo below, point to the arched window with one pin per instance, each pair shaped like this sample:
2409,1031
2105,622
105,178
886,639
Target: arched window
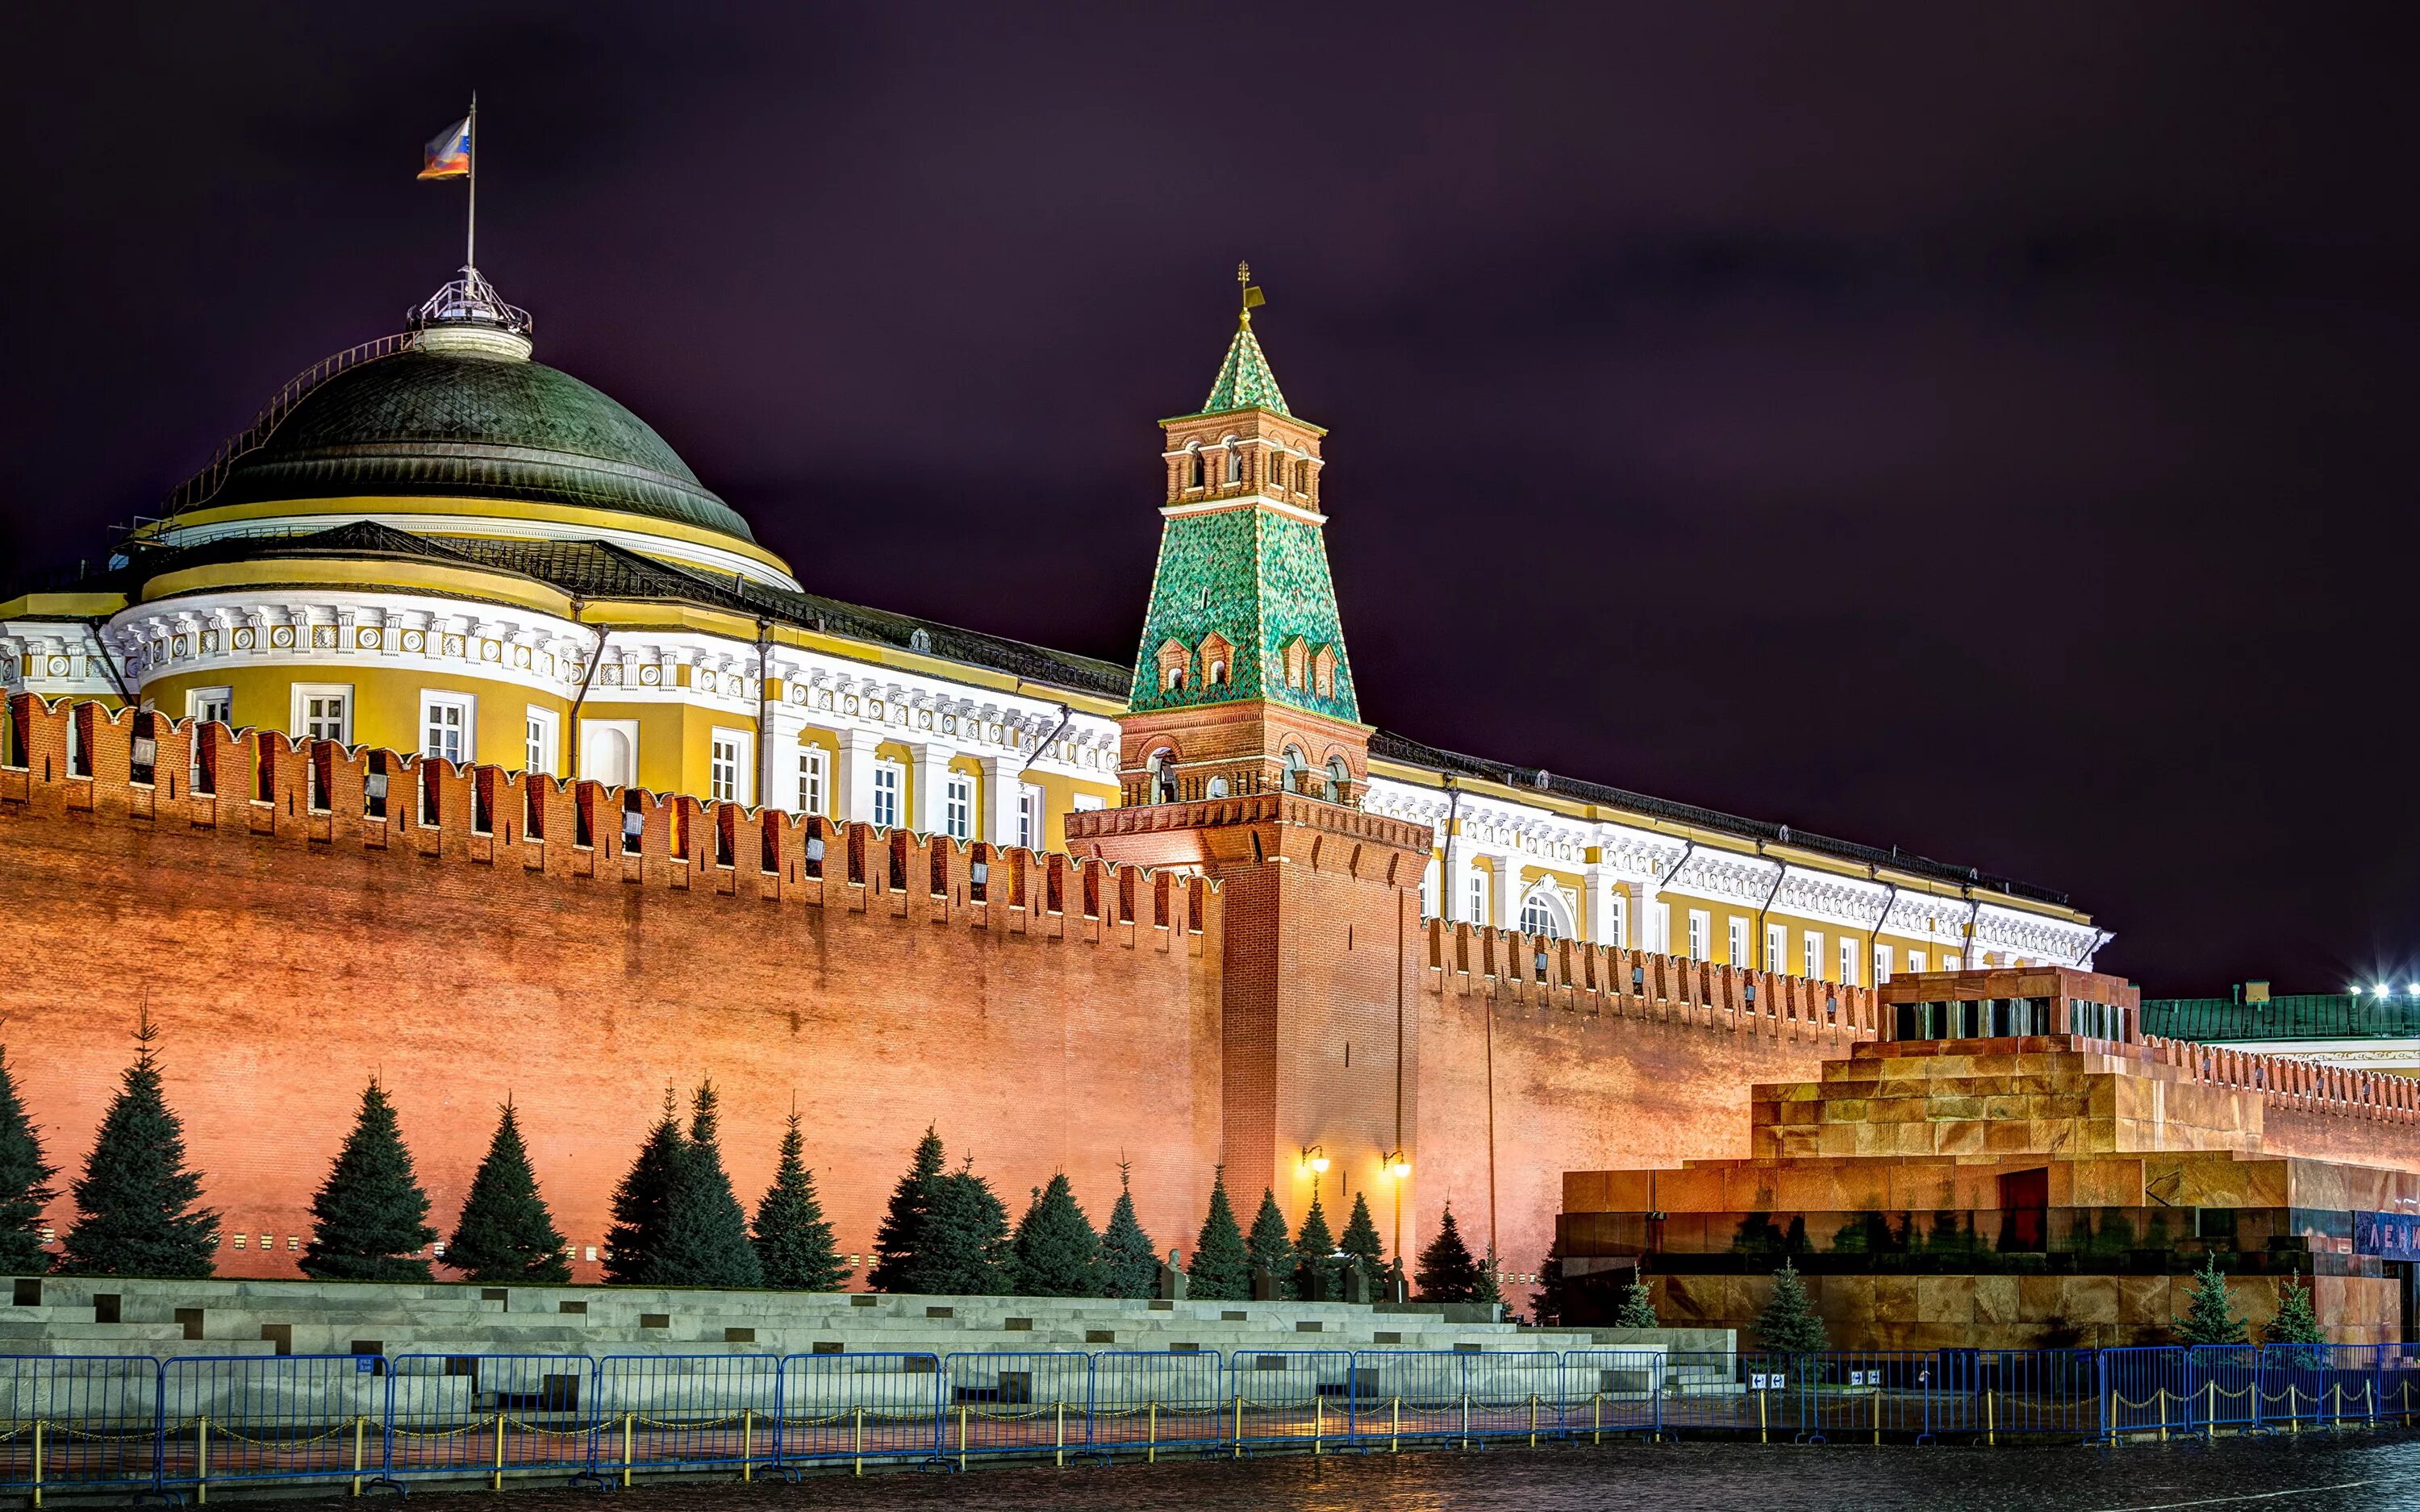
1542,914
1273,474
1175,679
1337,776
1217,788
1234,461
1163,776
1302,477
1294,767
1218,675
1193,466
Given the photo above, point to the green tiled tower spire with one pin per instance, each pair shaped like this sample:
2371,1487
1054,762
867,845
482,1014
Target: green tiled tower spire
1242,606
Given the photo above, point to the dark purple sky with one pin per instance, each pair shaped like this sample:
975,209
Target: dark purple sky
1985,430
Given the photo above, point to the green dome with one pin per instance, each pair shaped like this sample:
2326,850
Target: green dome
479,425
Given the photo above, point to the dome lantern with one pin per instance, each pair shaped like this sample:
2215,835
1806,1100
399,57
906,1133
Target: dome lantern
468,317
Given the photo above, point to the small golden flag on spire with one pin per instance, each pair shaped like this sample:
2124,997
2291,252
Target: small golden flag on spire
1252,291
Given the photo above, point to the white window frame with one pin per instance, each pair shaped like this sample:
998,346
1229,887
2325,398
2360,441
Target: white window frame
1479,899
1848,961
208,703
1738,933
1882,964
1031,801
1659,928
1702,931
298,709
466,707
1617,920
726,765
1549,905
1915,963
1812,955
1090,803
541,740
958,806
815,779
1776,948
890,794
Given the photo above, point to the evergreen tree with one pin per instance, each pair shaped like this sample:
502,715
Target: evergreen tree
706,1232
637,1236
504,1233
1638,1309
25,1188
1057,1254
1314,1248
794,1243
1552,1304
962,1249
1489,1286
1361,1239
134,1204
903,1225
1129,1267
2296,1322
1269,1247
1222,1267
1447,1272
2209,1314
371,1216
1788,1324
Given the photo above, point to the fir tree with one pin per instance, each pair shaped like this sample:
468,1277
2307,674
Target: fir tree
1490,1285
963,1248
1447,1272
637,1236
1222,1267
1553,1303
1788,1324
794,1243
1269,1247
1057,1254
706,1232
1129,1267
134,1204
903,1225
371,1216
1638,1309
504,1233
1314,1250
25,1188
2297,1321
2209,1314
1361,1239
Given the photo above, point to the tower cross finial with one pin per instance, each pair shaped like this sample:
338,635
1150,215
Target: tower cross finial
1252,291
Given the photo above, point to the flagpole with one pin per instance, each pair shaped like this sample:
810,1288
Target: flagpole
471,139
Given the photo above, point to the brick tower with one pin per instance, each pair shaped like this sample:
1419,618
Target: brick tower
1244,756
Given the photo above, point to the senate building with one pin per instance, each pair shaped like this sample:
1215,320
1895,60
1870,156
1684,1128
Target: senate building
448,724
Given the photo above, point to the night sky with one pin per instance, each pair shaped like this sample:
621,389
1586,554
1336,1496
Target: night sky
1983,430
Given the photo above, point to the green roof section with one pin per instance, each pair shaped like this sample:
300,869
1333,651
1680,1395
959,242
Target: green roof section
1245,382
1258,580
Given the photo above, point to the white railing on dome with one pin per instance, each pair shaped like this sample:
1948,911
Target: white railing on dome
201,486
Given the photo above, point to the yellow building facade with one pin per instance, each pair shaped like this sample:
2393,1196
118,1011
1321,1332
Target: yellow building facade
434,543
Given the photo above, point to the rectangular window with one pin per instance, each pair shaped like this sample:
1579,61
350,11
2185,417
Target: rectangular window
1659,923
890,782
722,767
1848,963
541,740
1882,964
1915,963
1029,817
1739,943
958,808
1618,920
1700,929
1478,897
322,713
814,767
1814,954
1089,802
446,726
1776,948
205,704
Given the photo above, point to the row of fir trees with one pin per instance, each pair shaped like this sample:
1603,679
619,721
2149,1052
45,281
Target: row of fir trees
676,1220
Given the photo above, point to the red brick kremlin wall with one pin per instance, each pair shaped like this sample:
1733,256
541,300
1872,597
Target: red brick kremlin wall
289,955
1070,1019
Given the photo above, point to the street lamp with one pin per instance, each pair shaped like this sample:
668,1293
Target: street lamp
1314,1158
1399,1166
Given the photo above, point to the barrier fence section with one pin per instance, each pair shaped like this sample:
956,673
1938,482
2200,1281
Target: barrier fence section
78,1423
102,1422
491,1414
1022,1402
864,1408
1290,1397
226,1420
1155,1402
687,1412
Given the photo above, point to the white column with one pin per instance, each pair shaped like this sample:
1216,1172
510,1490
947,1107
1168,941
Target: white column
1000,796
1600,905
932,773
1651,929
1505,909
853,784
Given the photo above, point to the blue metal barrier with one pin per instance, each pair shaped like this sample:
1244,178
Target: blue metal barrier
1986,1393
864,1408
1616,1391
78,1423
269,1418
687,1412
490,1415
1151,1402
1860,1393
2319,1386
1292,1396
1024,1402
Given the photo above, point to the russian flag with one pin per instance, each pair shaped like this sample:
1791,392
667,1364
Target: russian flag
449,154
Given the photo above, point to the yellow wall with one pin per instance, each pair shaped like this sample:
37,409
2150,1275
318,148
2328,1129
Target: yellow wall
386,703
